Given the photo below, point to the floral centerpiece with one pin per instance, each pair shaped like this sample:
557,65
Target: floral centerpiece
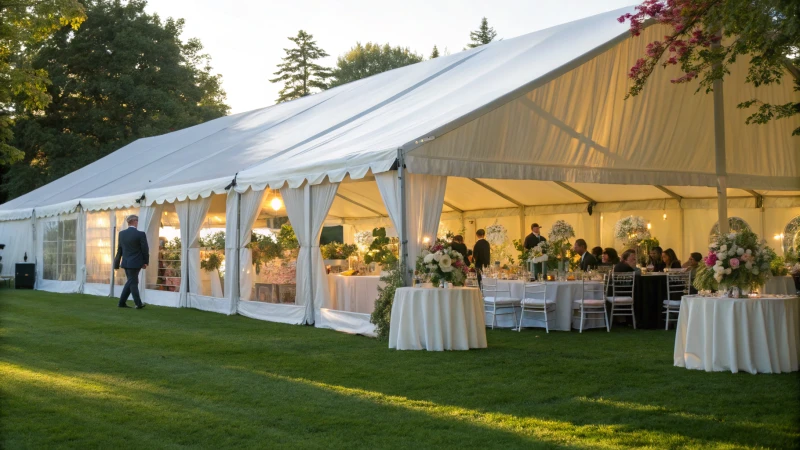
631,230
560,245
537,257
736,260
337,250
497,236
380,250
363,240
442,263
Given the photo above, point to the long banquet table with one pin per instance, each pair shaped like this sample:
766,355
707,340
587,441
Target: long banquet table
353,293
755,335
437,319
563,293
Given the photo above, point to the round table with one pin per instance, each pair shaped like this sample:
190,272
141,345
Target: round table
780,286
563,293
756,335
353,293
437,319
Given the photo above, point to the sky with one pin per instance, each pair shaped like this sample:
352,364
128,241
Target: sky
246,38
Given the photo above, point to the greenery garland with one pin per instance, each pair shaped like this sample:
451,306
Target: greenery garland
381,316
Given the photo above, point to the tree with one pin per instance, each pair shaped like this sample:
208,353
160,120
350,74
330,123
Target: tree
483,35
434,53
24,24
369,59
123,75
707,36
298,72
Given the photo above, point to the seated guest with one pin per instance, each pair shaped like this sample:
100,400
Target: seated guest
533,239
655,263
597,252
609,257
587,260
693,262
628,263
670,259
459,246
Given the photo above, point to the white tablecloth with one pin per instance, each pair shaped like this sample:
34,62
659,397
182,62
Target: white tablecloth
780,286
562,292
437,319
749,334
353,294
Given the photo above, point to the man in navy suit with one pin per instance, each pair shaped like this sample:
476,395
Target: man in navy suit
133,256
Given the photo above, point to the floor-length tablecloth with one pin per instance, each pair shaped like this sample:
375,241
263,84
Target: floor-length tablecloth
437,319
780,286
563,293
354,293
749,334
649,294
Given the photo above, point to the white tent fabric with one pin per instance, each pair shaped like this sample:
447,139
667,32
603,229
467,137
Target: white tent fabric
307,208
563,85
250,208
191,214
17,235
425,196
231,249
149,221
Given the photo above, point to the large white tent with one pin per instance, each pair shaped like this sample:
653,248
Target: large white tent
530,128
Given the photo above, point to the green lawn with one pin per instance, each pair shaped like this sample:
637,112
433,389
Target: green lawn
76,371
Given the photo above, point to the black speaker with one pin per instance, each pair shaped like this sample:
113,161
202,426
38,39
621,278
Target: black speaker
25,275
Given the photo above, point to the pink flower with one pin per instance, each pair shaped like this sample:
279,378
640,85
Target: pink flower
734,262
711,259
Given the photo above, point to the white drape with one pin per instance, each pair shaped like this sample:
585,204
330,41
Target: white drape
149,222
424,200
17,235
307,208
231,248
250,208
80,251
191,214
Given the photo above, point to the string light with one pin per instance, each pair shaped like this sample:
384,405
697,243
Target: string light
649,225
276,203
778,237
426,240
665,216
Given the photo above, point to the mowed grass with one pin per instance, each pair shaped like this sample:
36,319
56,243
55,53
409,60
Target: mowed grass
78,372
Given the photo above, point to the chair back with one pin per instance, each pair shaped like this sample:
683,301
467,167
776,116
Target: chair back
622,284
535,291
490,288
593,290
678,284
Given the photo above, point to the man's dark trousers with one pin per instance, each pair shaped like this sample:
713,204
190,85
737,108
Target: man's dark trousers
131,287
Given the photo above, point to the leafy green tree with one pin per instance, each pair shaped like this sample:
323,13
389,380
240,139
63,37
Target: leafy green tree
123,75
298,71
483,35
707,36
24,24
369,59
435,52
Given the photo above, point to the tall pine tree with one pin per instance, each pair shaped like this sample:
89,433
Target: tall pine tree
482,35
298,72
435,52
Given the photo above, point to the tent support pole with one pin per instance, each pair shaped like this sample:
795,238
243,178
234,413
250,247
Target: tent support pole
401,176
522,223
310,279
719,153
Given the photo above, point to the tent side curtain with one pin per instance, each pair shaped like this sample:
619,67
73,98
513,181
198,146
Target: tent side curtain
191,214
17,236
578,127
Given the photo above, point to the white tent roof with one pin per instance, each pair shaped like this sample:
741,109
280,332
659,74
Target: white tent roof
543,106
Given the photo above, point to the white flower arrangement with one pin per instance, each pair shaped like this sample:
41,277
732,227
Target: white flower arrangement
561,231
735,260
363,240
442,263
631,230
538,254
496,235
